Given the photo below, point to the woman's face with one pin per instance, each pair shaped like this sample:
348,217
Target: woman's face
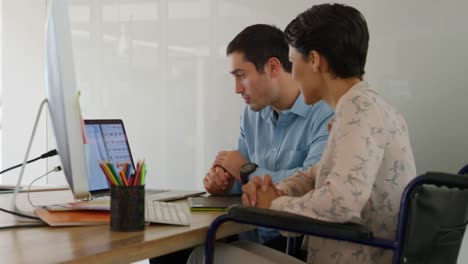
306,72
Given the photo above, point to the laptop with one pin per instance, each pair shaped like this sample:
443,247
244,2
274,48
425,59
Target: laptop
107,140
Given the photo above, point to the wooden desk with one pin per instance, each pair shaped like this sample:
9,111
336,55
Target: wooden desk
97,244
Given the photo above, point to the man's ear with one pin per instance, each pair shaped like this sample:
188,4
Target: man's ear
273,67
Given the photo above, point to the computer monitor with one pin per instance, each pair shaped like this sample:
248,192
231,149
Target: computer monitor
63,102
63,98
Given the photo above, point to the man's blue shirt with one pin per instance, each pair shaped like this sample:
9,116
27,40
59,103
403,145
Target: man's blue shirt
282,144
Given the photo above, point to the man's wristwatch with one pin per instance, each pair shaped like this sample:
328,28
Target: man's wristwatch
246,170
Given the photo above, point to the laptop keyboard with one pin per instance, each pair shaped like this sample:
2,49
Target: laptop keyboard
165,213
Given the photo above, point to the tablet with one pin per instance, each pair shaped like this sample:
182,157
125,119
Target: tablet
213,203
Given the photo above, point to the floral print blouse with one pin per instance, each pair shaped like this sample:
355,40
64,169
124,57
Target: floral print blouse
360,178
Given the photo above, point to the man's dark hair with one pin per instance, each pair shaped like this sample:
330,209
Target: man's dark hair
337,32
259,43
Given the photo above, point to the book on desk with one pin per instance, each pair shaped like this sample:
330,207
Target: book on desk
73,218
75,213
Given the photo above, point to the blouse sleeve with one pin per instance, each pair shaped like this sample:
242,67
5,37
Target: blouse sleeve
298,184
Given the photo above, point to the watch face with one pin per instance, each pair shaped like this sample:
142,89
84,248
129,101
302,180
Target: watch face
246,170
249,167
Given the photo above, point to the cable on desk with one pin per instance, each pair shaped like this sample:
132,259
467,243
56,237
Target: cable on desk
19,226
19,214
56,169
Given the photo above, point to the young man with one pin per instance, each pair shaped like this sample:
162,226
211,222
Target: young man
279,134
367,162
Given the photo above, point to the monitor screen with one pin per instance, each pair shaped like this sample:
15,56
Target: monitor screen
63,101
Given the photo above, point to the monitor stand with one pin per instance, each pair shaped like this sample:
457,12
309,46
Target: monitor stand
14,207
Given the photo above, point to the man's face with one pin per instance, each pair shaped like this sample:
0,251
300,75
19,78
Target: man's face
308,79
255,87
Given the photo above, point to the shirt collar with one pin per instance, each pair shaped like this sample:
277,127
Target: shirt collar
298,108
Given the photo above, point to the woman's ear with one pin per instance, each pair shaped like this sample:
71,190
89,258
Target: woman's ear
315,59
319,63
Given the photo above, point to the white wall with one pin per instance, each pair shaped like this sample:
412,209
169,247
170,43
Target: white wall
160,66
23,84
1,82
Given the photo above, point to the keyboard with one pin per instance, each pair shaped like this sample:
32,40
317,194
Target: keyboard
165,213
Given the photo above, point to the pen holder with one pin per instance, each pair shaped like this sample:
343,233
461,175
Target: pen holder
127,212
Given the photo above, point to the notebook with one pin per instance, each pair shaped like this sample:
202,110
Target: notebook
213,203
107,140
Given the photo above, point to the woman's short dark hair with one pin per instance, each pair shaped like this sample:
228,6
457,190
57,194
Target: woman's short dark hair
337,32
259,43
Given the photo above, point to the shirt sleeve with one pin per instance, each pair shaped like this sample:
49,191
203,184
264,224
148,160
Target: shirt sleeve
347,184
241,146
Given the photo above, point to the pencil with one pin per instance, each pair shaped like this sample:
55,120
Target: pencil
108,173
128,172
143,173
137,175
122,177
130,179
114,172
109,178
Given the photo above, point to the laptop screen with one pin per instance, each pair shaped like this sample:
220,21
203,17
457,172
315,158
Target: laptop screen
108,141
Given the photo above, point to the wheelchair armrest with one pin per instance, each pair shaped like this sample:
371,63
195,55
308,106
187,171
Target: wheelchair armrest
445,179
297,223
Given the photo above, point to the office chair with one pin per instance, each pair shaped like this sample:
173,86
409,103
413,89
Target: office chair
464,170
430,228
